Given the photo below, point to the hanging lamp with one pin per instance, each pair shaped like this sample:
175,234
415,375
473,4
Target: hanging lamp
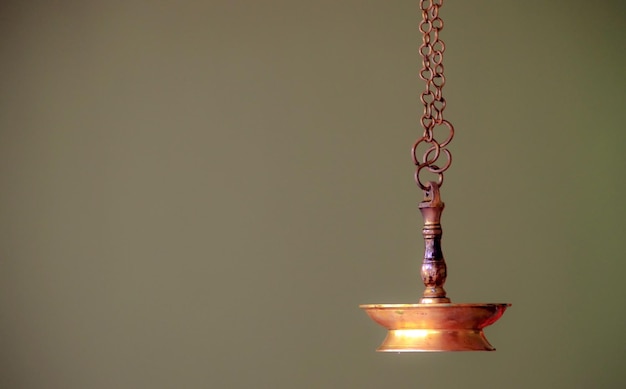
434,323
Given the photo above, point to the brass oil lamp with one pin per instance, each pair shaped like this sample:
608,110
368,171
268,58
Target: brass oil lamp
434,323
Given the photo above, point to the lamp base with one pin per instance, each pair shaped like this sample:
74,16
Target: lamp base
435,327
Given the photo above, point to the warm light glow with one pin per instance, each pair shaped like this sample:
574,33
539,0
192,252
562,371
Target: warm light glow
435,323
413,334
435,327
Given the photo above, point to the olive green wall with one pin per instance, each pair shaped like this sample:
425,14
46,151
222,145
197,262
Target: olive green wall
198,194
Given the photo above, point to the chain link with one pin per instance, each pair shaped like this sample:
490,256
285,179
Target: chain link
431,50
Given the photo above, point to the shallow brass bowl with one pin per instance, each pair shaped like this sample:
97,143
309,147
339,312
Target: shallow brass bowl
435,327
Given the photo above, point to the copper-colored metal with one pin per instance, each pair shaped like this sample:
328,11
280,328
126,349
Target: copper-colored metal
434,270
431,51
435,327
434,324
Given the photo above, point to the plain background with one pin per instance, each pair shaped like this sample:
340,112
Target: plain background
198,194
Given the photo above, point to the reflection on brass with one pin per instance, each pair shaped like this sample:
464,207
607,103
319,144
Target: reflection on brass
434,324
435,327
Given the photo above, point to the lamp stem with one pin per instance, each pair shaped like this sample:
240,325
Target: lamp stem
434,271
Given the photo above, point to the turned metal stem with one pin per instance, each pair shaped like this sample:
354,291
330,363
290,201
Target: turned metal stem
434,265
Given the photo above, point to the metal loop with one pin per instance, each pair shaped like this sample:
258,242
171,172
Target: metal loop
436,169
427,97
439,105
431,50
434,146
438,95
437,22
428,24
438,68
439,46
437,57
450,128
419,182
441,80
433,12
428,123
430,74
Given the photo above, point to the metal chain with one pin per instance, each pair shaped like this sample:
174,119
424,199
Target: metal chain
431,51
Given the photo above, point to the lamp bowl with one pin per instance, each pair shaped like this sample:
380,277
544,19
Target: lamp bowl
435,327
